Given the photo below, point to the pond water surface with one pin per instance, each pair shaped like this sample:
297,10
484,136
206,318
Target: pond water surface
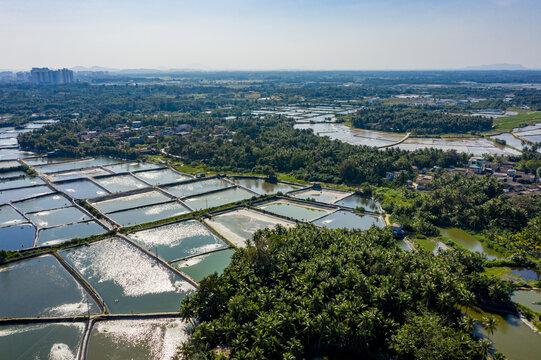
468,241
345,219
263,187
294,210
201,266
131,201
218,198
197,187
17,237
148,213
83,189
60,234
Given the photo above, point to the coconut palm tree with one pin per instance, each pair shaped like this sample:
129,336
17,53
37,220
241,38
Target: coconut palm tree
490,323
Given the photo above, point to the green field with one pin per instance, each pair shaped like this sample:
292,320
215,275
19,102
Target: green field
507,124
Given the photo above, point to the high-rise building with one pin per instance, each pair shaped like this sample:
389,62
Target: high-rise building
46,76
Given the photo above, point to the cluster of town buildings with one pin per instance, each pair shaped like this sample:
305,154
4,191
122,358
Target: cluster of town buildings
514,182
39,76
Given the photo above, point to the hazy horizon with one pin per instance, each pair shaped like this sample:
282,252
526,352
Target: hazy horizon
212,35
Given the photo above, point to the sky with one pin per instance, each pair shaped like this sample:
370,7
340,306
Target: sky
269,34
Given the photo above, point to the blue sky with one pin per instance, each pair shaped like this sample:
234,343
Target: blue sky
267,35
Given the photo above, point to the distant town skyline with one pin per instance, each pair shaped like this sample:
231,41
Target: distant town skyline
277,35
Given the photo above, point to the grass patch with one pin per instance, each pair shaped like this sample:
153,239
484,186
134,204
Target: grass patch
507,124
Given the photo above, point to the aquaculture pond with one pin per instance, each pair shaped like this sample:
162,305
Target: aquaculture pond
120,183
129,167
74,165
41,286
354,201
57,217
526,274
512,337
239,225
60,234
9,175
218,198
127,279
83,189
23,193
10,216
325,195
41,341
9,164
148,213
18,183
345,219
295,210
41,203
197,187
201,266
130,201
178,240
468,241
160,177
77,174
529,298
154,339
43,160
263,187
17,237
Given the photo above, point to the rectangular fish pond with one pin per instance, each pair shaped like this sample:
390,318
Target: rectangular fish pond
120,183
199,267
239,225
12,195
130,167
327,196
41,286
53,341
130,201
349,220
262,187
82,189
17,237
78,174
178,240
357,201
62,216
197,187
41,203
152,339
218,198
74,165
149,213
10,216
19,183
298,211
127,279
160,177
60,234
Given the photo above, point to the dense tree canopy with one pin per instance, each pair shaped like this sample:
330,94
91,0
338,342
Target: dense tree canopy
311,291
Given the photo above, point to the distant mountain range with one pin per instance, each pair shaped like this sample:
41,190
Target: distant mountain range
503,66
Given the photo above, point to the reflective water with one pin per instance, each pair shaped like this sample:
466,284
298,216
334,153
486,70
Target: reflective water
156,339
10,216
218,198
468,241
56,217
29,181
239,225
324,196
527,274
43,160
45,341
121,183
263,187
128,280
17,237
529,298
352,136
12,154
43,203
41,286
294,210
57,235
84,189
511,337
354,201
23,193
77,174
148,214
130,201
9,164
178,240
159,177
11,174
202,266
345,219
81,164
126,167
197,187
509,140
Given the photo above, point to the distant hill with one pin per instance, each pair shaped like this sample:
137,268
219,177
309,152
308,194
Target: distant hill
92,68
496,67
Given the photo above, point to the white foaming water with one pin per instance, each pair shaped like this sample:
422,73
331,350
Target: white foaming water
193,261
116,261
171,235
68,309
163,337
61,352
